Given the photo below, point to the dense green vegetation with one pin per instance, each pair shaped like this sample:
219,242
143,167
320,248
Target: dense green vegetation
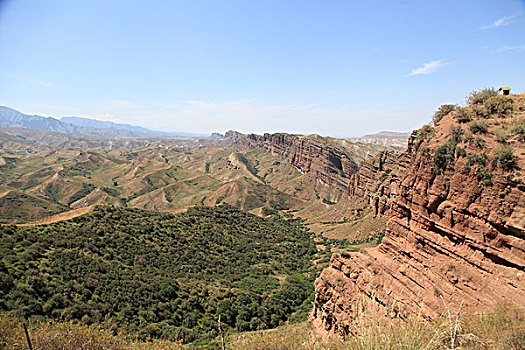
160,275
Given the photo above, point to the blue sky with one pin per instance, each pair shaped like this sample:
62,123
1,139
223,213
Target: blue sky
339,68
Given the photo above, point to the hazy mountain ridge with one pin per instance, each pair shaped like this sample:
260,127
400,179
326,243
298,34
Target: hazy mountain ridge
36,140
11,118
102,124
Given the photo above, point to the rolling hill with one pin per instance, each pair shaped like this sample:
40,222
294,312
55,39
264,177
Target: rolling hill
167,175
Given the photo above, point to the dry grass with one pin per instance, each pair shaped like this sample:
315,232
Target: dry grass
61,216
503,329
69,336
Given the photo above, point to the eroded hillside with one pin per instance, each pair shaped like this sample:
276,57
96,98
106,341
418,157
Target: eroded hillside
306,175
456,230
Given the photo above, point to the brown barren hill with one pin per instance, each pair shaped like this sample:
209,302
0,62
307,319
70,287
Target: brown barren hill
456,230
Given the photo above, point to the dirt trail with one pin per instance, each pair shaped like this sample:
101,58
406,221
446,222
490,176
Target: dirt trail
61,217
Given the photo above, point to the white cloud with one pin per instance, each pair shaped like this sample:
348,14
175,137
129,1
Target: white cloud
428,67
510,48
500,22
29,80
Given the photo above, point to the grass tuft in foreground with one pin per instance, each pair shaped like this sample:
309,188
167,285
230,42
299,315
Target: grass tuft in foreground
503,329
54,335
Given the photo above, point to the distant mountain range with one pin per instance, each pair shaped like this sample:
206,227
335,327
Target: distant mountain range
11,118
100,124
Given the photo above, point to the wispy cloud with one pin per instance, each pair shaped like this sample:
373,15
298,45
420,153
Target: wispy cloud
500,22
510,48
250,115
123,104
244,115
29,80
429,67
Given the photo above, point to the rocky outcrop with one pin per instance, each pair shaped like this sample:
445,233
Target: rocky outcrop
456,229
330,162
378,180
310,155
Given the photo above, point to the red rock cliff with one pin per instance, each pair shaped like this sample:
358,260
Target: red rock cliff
378,180
332,161
457,225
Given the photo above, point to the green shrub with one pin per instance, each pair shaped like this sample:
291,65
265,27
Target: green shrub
456,133
476,142
476,97
442,111
477,159
518,129
460,152
500,105
478,127
505,159
463,115
483,175
425,133
443,156
480,111
501,136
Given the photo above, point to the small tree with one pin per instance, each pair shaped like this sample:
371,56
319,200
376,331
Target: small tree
476,97
442,111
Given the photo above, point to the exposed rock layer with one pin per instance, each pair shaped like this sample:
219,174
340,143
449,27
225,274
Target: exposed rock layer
332,161
448,234
378,180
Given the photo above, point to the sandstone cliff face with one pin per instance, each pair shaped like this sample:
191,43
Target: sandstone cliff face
332,161
378,180
330,165
456,232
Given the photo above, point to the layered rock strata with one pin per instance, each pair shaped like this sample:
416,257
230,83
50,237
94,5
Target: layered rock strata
456,230
378,180
309,154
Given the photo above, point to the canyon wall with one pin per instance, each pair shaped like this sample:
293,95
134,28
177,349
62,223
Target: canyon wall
456,230
378,180
310,155
332,161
